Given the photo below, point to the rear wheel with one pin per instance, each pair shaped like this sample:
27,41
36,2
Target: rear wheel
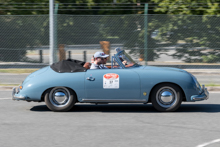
60,99
166,97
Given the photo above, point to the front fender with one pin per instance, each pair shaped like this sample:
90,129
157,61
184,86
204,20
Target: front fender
184,80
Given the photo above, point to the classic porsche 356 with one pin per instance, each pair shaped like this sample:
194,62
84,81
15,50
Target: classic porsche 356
67,82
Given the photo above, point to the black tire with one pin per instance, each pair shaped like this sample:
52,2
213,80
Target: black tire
166,97
60,99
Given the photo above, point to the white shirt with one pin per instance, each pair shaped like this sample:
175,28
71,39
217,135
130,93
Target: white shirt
95,66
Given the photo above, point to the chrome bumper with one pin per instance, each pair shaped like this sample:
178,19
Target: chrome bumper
15,95
203,96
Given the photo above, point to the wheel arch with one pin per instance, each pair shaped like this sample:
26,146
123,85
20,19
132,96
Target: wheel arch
184,95
43,94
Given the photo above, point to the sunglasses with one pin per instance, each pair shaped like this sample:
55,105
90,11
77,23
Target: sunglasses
103,58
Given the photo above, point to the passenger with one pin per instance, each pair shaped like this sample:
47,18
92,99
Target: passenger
100,59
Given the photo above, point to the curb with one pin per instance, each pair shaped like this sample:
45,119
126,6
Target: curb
213,88
204,72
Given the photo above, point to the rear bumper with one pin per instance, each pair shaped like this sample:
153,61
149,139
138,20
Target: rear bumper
17,96
203,96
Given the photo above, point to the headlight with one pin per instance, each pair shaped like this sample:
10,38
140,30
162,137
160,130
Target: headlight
197,84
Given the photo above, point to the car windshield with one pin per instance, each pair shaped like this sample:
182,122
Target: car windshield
126,59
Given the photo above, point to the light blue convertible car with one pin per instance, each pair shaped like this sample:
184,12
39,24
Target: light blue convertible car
67,82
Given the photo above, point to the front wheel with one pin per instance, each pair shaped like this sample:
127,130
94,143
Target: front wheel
60,99
166,97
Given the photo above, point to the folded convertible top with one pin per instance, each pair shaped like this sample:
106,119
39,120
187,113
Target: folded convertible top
69,65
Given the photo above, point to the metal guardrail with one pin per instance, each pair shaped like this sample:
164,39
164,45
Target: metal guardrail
77,47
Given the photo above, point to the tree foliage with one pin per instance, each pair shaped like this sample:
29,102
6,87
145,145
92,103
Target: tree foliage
193,22
26,31
73,7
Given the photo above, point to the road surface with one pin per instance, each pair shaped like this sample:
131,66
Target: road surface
32,124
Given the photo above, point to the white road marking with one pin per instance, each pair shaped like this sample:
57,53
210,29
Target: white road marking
208,143
4,98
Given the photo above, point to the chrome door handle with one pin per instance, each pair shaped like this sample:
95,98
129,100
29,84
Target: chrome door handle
90,78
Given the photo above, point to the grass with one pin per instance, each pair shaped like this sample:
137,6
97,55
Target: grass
9,84
17,70
212,85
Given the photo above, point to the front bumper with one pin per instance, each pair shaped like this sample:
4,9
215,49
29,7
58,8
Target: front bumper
16,95
203,96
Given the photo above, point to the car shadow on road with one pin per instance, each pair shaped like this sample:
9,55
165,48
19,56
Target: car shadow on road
206,108
134,108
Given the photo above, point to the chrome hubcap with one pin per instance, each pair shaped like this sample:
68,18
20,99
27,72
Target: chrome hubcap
59,96
166,97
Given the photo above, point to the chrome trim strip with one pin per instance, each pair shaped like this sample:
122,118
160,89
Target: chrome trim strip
114,101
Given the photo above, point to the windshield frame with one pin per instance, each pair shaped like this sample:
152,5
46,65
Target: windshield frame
117,59
116,56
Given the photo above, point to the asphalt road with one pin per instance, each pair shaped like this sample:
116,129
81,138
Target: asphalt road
18,78
32,124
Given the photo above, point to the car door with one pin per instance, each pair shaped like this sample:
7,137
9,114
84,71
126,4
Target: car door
116,84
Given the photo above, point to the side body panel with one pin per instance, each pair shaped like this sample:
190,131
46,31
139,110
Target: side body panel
128,84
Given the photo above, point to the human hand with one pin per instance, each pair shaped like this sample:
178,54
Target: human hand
124,62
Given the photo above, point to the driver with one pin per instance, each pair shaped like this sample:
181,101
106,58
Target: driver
100,59
123,60
120,57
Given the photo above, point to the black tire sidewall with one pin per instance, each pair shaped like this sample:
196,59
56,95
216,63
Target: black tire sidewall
72,101
172,108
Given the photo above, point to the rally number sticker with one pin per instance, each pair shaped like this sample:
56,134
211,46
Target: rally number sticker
111,81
